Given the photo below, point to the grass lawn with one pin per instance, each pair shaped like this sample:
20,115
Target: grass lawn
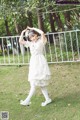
64,89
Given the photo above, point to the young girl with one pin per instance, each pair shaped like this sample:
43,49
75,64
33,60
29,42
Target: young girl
39,73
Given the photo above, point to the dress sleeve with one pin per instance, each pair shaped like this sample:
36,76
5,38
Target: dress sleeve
27,44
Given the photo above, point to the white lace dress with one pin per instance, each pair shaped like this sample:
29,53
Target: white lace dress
39,72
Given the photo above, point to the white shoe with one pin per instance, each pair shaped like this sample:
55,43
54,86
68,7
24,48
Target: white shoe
46,102
23,102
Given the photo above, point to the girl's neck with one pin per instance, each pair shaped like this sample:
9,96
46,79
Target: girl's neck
35,40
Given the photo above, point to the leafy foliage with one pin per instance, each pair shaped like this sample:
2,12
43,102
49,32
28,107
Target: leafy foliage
16,14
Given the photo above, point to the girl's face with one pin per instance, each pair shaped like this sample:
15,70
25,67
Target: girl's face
34,37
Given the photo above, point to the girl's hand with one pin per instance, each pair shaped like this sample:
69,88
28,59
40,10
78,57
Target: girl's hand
24,30
29,28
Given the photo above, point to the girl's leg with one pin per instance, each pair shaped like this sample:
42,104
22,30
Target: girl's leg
32,91
47,98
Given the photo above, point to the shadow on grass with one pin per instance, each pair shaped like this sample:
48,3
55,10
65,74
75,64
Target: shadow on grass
68,99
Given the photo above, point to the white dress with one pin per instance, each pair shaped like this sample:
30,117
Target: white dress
39,72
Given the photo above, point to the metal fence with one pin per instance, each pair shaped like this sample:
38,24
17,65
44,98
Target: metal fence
61,47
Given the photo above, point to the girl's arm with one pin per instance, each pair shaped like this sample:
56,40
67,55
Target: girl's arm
21,40
43,37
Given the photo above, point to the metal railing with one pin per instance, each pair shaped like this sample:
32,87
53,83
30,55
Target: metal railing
61,47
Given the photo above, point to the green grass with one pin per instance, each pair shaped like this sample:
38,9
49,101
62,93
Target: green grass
64,89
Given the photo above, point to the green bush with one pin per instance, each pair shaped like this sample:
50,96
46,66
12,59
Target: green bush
74,41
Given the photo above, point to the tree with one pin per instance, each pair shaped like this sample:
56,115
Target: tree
40,20
52,20
30,23
68,19
20,13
